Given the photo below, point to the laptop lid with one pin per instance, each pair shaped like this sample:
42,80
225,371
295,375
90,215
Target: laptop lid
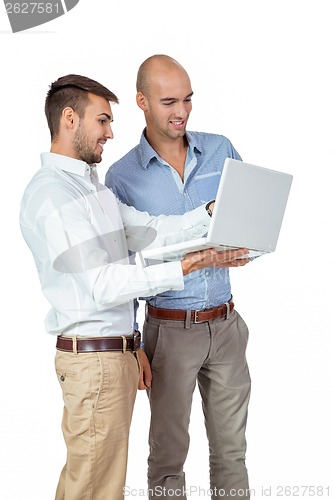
248,212
250,205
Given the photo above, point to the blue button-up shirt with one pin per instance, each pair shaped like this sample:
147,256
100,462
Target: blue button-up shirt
144,180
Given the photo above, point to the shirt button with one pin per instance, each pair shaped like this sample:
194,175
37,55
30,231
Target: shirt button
62,378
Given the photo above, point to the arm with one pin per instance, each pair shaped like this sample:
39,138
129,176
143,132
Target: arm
143,230
86,240
87,243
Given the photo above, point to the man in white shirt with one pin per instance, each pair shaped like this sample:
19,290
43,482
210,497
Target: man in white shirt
80,235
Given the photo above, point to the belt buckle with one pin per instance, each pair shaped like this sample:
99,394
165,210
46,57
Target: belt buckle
195,320
227,305
124,344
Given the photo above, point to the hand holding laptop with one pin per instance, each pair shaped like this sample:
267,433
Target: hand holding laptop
213,258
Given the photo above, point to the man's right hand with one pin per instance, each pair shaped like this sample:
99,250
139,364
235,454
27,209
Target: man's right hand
212,258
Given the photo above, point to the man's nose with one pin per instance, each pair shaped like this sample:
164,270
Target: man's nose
181,109
109,133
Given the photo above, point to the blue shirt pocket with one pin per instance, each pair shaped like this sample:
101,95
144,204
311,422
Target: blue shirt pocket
206,185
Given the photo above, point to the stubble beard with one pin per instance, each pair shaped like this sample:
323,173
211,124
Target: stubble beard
83,149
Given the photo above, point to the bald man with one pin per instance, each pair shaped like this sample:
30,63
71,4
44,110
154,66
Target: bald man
194,335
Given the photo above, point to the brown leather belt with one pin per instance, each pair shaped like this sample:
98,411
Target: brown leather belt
196,316
97,344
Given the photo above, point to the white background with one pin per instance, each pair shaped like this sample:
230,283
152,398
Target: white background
262,75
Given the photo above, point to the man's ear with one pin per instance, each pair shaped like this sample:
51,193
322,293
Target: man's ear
141,101
69,118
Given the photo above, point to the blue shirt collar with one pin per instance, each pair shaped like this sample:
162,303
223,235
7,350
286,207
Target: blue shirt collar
147,153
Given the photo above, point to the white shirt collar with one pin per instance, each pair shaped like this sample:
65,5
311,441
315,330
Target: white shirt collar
72,166
67,164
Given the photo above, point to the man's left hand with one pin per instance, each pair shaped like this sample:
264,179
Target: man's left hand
145,371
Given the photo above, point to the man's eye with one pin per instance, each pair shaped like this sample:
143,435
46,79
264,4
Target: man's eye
169,103
103,122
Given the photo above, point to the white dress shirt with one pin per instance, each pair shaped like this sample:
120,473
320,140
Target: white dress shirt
80,234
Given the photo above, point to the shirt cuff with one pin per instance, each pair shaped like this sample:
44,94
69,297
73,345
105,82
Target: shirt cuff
199,218
166,276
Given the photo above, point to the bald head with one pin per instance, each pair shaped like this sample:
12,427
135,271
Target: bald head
155,66
164,94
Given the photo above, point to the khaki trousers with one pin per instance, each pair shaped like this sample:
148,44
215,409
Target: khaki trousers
211,354
99,391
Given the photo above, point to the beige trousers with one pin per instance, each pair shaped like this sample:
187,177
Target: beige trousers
99,391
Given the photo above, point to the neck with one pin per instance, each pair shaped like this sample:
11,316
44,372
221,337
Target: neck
167,147
60,148
173,151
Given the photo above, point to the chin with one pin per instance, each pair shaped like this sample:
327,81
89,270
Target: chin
95,159
180,133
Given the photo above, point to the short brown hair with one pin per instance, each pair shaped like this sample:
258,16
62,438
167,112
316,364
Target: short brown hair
72,91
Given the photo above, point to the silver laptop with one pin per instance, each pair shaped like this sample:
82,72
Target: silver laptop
248,213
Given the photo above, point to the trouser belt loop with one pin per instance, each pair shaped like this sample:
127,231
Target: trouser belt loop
228,310
188,319
75,345
124,343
